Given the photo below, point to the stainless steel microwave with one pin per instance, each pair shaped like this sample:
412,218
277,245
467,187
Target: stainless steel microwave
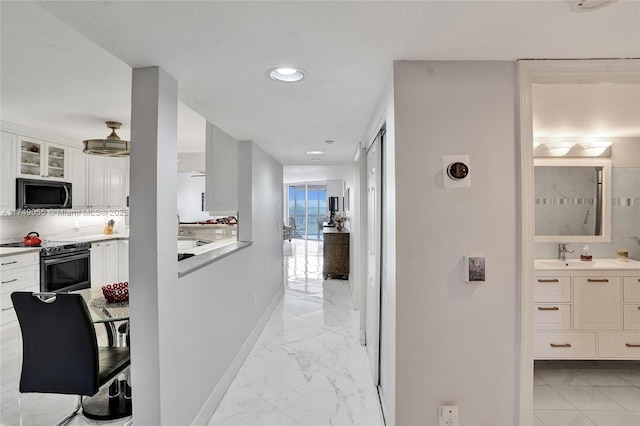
42,194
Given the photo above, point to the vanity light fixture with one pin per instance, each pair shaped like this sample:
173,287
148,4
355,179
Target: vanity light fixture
286,74
111,146
558,149
595,148
315,152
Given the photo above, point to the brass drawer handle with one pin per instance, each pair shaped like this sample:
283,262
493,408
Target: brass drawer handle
631,345
555,308
564,345
555,280
15,279
593,280
15,261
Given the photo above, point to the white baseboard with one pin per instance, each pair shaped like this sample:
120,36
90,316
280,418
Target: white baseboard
210,405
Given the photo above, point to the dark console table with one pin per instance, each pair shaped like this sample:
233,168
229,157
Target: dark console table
336,253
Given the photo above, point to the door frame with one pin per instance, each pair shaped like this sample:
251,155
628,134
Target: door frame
529,73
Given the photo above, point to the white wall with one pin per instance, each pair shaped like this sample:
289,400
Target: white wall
457,343
215,304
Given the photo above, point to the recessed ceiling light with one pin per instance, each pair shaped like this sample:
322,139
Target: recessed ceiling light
315,160
286,74
315,152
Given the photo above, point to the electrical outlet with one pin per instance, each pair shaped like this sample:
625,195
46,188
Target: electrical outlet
448,415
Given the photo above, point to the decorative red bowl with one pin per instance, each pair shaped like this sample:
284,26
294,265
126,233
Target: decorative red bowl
117,292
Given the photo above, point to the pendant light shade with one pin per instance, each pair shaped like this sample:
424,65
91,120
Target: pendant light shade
112,146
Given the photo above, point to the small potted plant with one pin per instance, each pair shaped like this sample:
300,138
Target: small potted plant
340,220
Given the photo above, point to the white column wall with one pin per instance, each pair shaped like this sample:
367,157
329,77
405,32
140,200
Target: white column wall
457,343
152,236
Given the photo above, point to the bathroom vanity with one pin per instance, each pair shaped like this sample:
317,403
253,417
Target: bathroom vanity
586,310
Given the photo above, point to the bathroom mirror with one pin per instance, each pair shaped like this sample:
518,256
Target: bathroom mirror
572,200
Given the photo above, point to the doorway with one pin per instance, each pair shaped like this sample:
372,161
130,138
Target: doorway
308,209
531,73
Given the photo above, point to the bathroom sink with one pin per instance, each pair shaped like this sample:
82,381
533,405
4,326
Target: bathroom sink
578,264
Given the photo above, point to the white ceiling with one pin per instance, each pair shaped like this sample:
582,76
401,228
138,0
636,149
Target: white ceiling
66,66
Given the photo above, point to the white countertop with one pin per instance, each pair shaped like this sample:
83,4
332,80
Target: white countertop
578,265
9,251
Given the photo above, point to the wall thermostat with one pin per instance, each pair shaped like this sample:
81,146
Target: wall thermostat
456,171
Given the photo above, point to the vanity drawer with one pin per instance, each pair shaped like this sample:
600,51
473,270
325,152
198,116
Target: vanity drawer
552,289
631,317
557,345
619,344
551,317
631,289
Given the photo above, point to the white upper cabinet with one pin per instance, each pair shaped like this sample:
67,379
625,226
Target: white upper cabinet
107,182
78,177
222,172
8,170
41,160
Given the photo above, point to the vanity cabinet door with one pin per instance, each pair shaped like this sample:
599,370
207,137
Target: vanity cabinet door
631,317
597,303
631,289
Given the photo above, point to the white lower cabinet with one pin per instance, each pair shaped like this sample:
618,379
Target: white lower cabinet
123,260
104,263
20,272
587,315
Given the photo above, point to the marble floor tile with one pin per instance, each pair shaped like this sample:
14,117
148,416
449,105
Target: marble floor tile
547,398
632,377
560,376
563,418
330,399
307,365
628,397
613,418
601,377
587,398
262,414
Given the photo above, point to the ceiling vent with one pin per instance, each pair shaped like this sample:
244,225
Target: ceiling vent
112,146
588,5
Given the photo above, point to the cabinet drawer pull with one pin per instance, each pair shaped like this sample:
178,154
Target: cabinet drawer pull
15,261
631,345
555,308
10,281
593,280
556,345
555,280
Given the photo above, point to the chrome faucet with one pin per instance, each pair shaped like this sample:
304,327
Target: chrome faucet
563,250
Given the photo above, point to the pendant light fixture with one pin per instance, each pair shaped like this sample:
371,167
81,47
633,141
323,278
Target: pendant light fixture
112,146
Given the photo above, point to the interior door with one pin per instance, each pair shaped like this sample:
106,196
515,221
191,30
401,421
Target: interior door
374,210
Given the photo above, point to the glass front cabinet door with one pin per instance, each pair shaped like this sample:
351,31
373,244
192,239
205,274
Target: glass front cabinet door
42,160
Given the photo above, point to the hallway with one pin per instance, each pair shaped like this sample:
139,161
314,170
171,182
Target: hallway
307,367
